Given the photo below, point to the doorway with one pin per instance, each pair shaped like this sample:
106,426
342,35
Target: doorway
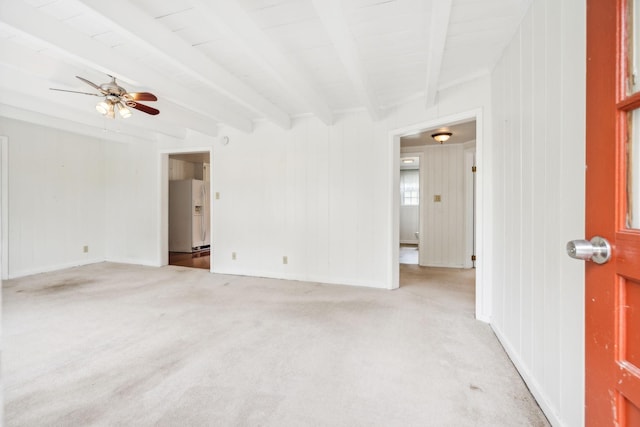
410,207
436,209
187,209
450,224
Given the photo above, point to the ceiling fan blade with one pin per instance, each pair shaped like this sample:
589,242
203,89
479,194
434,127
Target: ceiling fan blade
141,96
75,91
143,108
93,85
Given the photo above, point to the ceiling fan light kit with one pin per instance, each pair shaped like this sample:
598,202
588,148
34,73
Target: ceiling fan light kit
117,98
125,113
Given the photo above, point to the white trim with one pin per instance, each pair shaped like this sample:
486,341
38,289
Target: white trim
483,287
163,200
4,206
393,278
469,154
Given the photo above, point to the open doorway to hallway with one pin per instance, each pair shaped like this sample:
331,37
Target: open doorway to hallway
437,196
410,212
189,218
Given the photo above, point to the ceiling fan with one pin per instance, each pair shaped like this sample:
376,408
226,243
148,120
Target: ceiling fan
117,98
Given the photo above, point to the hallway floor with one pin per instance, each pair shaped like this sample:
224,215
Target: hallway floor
112,344
409,254
200,259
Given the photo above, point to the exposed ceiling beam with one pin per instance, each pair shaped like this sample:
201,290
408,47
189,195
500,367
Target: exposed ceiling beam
229,18
27,19
145,29
334,22
438,28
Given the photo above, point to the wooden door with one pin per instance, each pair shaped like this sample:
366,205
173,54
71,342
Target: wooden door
612,294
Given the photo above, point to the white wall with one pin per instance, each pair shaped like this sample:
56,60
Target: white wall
444,230
315,194
320,195
538,158
443,223
131,193
409,223
180,169
56,198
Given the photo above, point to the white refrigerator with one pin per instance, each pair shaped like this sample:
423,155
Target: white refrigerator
189,220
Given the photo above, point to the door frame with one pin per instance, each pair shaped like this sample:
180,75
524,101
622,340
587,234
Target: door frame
469,154
163,200
482,287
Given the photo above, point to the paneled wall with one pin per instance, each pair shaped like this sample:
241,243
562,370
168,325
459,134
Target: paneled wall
318,194
56,198
131,193
409,224
315,194
179,169
444,228
446,233
538,158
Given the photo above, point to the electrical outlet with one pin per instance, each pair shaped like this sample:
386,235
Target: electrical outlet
233,256
285,260
85,249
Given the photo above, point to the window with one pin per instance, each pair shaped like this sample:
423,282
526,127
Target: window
410,187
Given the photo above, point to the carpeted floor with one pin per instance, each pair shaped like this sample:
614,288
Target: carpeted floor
111,344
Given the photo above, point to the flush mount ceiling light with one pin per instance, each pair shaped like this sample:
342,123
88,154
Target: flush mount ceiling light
441,137
407,160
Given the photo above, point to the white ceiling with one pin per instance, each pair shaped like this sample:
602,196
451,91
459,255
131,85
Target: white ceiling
238,61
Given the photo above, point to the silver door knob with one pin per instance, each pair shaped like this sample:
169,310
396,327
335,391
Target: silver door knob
597,250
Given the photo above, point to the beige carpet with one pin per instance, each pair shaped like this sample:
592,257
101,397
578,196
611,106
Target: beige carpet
111,344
